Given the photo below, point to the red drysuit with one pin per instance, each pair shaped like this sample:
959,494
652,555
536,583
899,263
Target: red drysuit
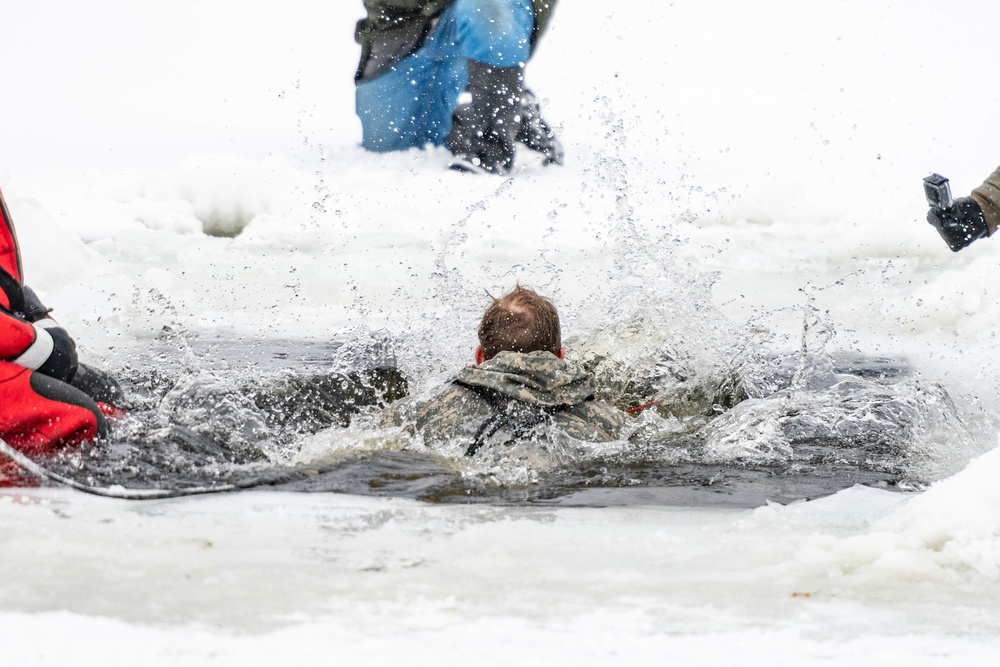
39,410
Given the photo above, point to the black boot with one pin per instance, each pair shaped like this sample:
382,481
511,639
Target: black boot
535,133
483,132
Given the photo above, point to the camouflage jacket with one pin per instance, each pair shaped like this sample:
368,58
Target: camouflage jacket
513,393
393,29
988,197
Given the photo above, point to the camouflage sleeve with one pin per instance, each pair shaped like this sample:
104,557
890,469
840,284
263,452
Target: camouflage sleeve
987,196
592,421
453,415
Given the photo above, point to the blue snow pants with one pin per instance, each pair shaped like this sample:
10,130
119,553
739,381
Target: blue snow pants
411,104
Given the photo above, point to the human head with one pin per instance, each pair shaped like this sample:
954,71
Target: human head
519,321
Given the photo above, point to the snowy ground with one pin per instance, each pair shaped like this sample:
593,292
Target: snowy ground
776,150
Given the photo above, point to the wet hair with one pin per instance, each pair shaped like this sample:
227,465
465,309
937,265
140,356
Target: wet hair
520,321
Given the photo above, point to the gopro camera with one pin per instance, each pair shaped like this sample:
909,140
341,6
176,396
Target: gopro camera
938,192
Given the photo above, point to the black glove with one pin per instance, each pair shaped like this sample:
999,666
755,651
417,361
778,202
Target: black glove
960,224
33,309
99,385
62,362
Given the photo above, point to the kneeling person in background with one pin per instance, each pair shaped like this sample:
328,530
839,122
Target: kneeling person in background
417,58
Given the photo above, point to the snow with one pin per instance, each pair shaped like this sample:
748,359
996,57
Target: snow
770,153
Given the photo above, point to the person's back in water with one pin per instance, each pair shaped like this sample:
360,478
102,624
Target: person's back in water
521,382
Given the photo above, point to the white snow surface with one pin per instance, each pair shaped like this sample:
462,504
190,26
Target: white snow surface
770,152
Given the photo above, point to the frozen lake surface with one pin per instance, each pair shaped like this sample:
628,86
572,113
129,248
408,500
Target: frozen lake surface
738,231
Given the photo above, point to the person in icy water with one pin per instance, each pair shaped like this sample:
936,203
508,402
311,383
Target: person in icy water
418,56
970,218
48,399
521,381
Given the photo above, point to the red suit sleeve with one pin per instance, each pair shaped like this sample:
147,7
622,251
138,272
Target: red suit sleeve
16,335
10,253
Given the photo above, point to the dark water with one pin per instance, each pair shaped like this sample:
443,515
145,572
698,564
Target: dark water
230,412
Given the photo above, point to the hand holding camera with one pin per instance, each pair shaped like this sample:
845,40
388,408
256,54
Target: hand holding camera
959,221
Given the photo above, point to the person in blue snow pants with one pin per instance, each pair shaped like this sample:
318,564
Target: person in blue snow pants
418,56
